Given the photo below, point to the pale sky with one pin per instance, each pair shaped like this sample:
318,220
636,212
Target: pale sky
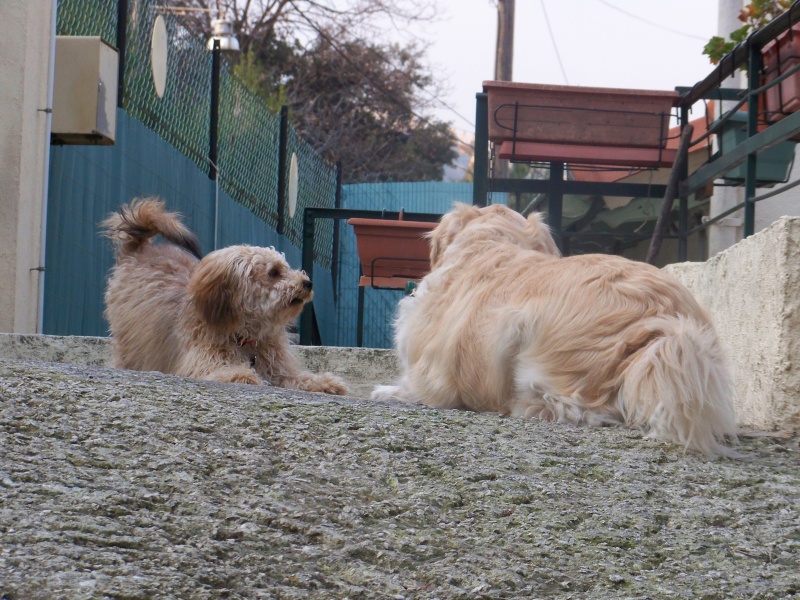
636,44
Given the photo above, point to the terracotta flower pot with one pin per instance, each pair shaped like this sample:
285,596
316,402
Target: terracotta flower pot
391,252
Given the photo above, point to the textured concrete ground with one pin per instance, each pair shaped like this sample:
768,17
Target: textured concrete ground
361,368
137,485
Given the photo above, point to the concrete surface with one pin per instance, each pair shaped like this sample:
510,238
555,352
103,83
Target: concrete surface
361,368
753,292
123,484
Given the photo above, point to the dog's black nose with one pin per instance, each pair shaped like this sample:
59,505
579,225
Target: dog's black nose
307,284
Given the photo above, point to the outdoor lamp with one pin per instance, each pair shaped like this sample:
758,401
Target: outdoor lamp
222,30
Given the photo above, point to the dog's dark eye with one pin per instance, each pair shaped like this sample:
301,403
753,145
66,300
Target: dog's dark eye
274,272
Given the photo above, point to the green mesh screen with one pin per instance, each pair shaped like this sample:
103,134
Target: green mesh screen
248,133
316,187
88,17
182,116
248,148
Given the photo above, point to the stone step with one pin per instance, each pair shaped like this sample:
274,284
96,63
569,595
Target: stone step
361,368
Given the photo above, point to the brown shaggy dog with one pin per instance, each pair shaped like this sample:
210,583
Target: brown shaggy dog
503,323
222,317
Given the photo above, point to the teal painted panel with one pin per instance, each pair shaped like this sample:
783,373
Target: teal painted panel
88,182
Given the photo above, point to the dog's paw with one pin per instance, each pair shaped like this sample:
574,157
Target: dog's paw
389,392
236,375
328,383
248,378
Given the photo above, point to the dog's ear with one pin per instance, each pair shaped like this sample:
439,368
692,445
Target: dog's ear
215,290
450,225
539,236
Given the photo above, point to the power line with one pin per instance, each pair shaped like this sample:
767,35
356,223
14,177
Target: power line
555,46
651,23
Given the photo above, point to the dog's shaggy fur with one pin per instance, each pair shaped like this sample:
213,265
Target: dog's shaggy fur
222,317
503,323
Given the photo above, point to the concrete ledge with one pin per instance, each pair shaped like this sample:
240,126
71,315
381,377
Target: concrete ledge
753,291
361,368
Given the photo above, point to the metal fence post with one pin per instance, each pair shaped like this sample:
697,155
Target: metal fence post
283,145
122,30
753,68
337,203
214,121
683,198
307,316
480,169
555,200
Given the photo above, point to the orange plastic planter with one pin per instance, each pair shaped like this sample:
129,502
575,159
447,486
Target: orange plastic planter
391,252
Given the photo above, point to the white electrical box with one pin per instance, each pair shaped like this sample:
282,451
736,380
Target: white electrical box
85,91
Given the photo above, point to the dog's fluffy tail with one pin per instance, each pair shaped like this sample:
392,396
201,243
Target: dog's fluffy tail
679,387
135,223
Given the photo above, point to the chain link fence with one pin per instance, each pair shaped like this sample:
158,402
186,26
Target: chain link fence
182,115
248,132
88,17
249,149
317,178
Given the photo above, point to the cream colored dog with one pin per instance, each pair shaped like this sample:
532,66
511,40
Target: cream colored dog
222,318
503,323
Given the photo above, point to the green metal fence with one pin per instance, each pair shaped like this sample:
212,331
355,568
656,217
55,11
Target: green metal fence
163,148
318,177
183,114
248,132
88,17
248,149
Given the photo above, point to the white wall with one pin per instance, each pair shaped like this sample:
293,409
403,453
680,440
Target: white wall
26,36
752,291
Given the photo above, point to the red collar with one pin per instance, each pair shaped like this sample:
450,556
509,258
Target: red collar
245,341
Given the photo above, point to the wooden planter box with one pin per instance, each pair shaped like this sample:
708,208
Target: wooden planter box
560,114
778,56
392,253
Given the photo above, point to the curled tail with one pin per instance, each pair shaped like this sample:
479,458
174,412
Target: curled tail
680,388
135,223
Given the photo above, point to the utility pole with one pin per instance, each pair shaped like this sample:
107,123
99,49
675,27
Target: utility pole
504,51
504,60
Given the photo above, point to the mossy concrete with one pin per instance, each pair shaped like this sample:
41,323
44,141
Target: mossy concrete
361,368
120,484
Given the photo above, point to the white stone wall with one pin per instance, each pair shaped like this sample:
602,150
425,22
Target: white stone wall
752,290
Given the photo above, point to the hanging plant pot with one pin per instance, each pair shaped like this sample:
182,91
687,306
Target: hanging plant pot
391,253
779,56
773,165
